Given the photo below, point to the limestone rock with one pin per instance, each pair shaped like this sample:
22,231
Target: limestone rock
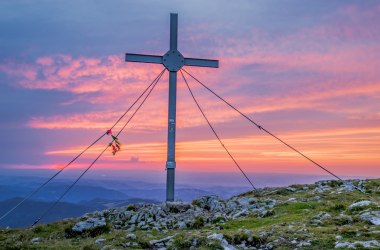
360,204
99,241
35,240
323,215
90,223
304,243
223,242
133,219
373,217
363,244
178,206
161,242
132,236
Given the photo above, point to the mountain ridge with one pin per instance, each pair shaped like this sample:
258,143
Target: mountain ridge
325,215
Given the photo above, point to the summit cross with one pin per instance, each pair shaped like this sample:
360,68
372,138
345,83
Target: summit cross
173,61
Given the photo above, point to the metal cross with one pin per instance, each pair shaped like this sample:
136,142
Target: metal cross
173,61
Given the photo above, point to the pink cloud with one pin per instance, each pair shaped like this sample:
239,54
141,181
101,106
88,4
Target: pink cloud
83,75
24,72
45,61
92,75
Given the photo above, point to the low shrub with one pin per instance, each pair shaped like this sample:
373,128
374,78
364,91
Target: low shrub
174,210
196,203
132,208
69,233
215,245
347,231
198,222
283,191
249,239
341,221
218,219
337,208
335,183
144,244
182,243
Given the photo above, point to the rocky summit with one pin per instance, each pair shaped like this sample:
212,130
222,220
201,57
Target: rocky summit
324,215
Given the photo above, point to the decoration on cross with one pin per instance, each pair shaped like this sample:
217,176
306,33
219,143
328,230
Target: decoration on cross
115,144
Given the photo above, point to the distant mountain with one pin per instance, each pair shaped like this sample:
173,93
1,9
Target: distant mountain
52,192
9,192
30,211
123,203
80,193
90,189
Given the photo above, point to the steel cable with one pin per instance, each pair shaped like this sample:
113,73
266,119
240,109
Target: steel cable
213,130
269,133
97,158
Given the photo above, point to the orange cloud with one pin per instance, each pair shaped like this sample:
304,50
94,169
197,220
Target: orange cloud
332,148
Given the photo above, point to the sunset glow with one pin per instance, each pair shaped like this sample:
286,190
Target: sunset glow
314,83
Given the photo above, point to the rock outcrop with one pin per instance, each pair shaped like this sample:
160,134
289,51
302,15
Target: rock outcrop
172,215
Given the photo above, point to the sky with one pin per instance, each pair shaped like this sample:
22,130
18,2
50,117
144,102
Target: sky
306,71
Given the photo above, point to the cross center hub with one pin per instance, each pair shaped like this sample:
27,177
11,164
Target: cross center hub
173,60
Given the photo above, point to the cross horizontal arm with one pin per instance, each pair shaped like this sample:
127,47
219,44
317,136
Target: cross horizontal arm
142,58
202,62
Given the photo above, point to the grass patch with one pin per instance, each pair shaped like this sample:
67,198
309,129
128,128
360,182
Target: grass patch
250,240
181,241
355,210
144,244
283,192
214,245
347,232
89,247
297,207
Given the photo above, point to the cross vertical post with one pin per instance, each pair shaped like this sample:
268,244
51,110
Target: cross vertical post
173,61
170,162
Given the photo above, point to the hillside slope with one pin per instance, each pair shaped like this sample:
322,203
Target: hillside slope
325,215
